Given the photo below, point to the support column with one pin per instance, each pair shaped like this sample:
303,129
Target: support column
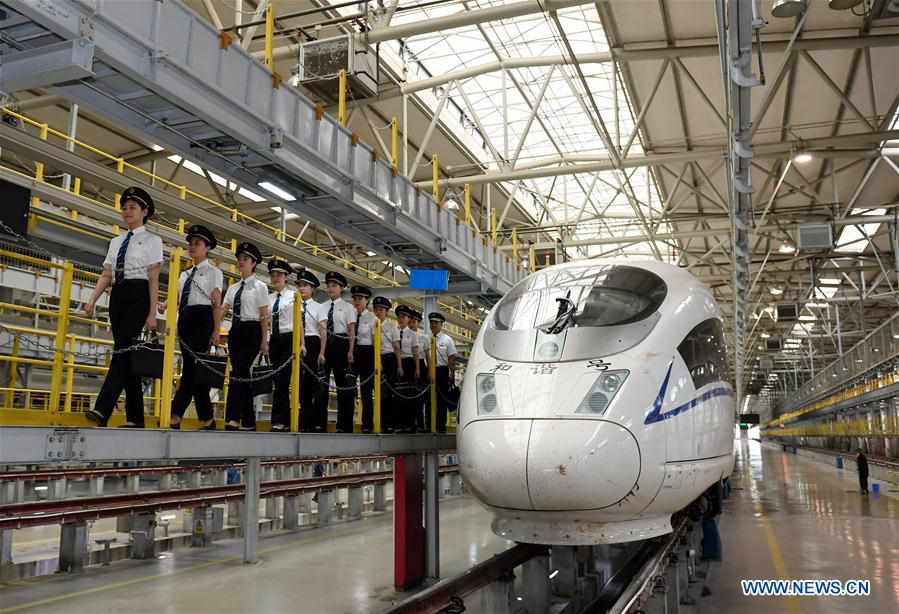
496,598
291,512
6,537
432,515
535,584
133,483
408,532
324,507
12,491
200,531
564,560
250,519
354,500
234,513
58,488
72,546
196,479
380,497
143,533
95,486
166,481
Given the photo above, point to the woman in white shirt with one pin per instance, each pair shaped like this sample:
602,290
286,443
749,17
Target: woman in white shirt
281,342
199,299
391,361
247,300
410,372
315,338
132,269
364,359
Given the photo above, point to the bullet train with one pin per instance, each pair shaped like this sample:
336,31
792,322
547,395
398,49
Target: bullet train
596,403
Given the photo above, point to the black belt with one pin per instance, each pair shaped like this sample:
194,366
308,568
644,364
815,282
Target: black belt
131,282
195,307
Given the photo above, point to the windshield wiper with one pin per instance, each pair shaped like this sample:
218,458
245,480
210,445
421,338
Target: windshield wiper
564,317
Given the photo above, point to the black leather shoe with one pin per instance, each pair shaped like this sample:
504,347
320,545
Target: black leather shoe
280,428
208,427
96,417
246,428
128,425
177,427
231,427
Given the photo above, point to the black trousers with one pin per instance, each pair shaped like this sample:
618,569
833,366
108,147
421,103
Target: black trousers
408,404
310,405
194,330
442,381
243,347
863,482
129,306
388,409
336,362
423,411
365,368
280,348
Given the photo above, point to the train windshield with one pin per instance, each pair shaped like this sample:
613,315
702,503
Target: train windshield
590,296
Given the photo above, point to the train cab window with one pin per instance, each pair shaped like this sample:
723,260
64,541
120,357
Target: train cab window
598,296
705,354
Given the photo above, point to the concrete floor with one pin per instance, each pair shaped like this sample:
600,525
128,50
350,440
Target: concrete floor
346,567
794,518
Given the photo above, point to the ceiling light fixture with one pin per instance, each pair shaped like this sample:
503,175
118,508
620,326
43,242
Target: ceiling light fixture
842,5
786,248
788,8
776,291
802,157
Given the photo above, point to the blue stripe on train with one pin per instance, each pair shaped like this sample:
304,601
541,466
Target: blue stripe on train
655,413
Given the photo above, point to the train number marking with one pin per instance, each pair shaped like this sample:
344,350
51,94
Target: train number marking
501,366
544,368
598,364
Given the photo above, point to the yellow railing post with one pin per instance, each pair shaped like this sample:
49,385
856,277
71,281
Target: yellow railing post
378,368
515,257
39,171
157,399
341,99
394,144
77,188
432,378
296,365
493,228
466,203
171,326
70,375
62,327
532,256
435,178
268,58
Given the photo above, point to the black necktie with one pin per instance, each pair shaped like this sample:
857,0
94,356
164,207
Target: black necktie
120,258
304,318
331,320
185,291
358,318
402,330
276,330
237,301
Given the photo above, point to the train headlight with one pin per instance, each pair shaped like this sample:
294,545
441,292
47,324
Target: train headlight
488,402
602,392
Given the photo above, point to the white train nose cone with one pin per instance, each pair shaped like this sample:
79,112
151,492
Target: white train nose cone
549,465
580,464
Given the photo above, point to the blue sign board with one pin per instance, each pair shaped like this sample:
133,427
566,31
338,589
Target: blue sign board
429,279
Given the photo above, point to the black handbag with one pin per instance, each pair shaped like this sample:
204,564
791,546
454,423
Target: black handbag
147,358
211,370
261,372
452,398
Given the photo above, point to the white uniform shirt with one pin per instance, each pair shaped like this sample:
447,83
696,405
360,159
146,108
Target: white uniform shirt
206,279
389,334
254,296
446,347
424,345
365,329
344,313
144,249
408,342
285,309
314,315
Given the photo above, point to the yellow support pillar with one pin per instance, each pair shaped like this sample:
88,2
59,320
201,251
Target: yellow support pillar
157,400
466,203
341,99
77,188
296,365
268,58
378,370
435,178
70,374
532,256
171,326
432,378
62,327
394,145
515,257
39,171
493,227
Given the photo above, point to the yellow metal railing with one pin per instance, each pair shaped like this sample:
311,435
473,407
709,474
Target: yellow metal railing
875,426
123,166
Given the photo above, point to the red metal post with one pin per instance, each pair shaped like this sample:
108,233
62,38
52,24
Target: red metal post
408,522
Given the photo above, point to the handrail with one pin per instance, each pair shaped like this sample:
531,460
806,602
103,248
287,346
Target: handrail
235,214
50,314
